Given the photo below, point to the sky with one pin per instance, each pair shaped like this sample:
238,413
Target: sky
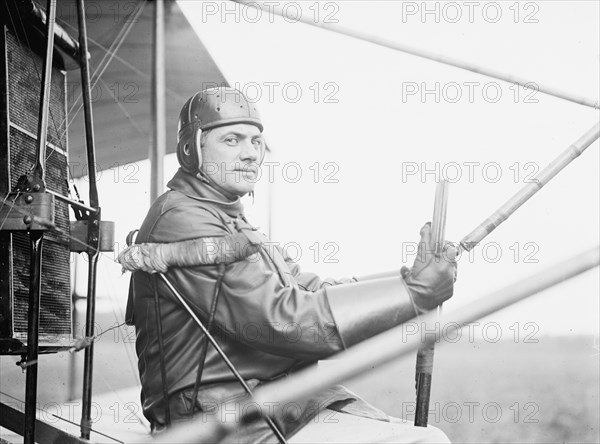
359,135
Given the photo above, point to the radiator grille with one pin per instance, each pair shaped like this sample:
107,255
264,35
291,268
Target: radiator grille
22,157
24,86
24,73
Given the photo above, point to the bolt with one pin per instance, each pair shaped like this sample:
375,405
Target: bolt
36,187
27,220
28,199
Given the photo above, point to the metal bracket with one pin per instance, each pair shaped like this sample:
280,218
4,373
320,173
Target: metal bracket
79,235
29,211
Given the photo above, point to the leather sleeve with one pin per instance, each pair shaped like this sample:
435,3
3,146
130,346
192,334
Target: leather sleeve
260,304
382,275
310,281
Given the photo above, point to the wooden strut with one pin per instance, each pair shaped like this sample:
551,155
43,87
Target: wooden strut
271,7
524,194
158,137
93,235
425,354
36,237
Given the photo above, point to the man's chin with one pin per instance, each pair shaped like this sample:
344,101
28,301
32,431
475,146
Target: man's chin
245,192
241,190
244,186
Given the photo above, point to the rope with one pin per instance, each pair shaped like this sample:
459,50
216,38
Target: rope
124,110
86,341
114,48
137,71
91,429
11,205
128,346
132,411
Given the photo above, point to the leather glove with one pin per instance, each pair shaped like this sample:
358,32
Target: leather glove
431,278
150,258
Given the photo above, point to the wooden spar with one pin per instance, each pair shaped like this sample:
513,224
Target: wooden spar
36,237
395,343
525,193
42,129
270,8
438,222
158,138
426,352
93,219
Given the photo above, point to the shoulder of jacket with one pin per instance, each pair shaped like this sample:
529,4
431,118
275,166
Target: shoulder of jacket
175,216
176,200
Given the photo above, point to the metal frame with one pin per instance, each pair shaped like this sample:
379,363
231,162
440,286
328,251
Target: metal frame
93,238
35,183
37,237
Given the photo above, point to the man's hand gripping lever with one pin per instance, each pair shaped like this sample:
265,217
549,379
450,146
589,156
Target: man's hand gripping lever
368,307
430,281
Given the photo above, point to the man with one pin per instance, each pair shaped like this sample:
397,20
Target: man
269,317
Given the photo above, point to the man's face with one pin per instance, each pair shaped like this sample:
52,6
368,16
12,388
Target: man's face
230,157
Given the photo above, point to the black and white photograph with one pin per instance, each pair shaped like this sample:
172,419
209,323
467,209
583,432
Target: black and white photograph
303,222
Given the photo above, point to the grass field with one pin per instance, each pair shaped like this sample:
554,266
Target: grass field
504,392
500,392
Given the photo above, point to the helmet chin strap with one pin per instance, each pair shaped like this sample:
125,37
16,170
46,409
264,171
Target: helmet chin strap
202,177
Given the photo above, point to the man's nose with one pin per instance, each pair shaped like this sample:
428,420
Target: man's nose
249,151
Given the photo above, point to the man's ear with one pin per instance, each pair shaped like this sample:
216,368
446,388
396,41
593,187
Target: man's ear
187,152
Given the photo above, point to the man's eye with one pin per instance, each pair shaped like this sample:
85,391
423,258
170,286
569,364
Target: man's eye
257,142
231,140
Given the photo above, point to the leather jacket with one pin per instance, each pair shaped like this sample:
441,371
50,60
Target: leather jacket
271,317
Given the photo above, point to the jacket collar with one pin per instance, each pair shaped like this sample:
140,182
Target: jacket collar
196,189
